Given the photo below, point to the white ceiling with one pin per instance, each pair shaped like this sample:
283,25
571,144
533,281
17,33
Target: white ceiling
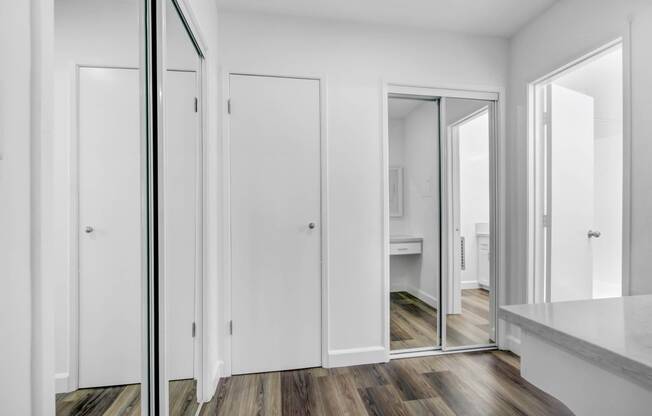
478,17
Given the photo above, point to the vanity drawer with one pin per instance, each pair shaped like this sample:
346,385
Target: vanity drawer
398,249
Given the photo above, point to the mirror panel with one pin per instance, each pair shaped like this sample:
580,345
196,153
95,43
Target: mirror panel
99,215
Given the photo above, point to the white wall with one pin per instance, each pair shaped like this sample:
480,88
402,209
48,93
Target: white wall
564,33
15,185
356,58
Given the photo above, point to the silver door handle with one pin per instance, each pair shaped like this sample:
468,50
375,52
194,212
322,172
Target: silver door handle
312,225
594,234
89,229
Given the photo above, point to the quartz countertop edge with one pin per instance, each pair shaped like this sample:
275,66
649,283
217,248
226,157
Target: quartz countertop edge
615,362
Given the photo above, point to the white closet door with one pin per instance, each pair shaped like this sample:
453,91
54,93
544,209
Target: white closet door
180,218
572,182
110,239
275,196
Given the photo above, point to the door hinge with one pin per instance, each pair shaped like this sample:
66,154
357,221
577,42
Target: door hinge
546,221
546,117
194,329
228,106
230,327
196,104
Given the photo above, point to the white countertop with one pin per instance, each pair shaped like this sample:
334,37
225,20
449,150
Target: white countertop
614,333
404,238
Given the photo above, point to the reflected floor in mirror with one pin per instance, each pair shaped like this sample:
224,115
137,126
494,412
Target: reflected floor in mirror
472,326
413,322
125,400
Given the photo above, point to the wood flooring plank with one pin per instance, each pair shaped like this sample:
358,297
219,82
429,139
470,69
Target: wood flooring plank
484,383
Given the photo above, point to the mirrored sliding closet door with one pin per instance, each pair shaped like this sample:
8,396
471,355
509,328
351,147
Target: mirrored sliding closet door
469,128
440,196
414,249
100,208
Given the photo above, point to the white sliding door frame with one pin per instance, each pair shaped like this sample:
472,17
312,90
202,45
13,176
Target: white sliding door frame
497,178
226,158
538,171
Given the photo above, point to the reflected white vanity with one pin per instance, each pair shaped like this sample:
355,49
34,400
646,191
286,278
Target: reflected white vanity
594,355
403,245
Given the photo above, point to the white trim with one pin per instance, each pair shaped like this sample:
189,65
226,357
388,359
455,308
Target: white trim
436,352
627,159
513,344
470,285
452,92
533,240
323,103
422,295
357,356
62,383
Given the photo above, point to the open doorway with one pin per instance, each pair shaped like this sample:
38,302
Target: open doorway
578,152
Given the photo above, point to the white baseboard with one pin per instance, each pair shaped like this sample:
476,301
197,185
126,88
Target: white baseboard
61,383
211,384
357,356
423,296
470,285
514,344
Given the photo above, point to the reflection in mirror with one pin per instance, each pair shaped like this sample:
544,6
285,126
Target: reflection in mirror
470,319
181,212
98,217
414,222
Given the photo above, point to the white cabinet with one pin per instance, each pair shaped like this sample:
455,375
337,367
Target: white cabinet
402,246
483,250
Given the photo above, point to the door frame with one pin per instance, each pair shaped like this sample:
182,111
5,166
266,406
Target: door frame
224,327
206,380
538,235
497,201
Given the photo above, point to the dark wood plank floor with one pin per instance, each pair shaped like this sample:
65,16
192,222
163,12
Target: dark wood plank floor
469,384
125,400
414,323
472,326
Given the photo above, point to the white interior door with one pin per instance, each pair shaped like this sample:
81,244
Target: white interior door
571,164
275,196
110,239
181,205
